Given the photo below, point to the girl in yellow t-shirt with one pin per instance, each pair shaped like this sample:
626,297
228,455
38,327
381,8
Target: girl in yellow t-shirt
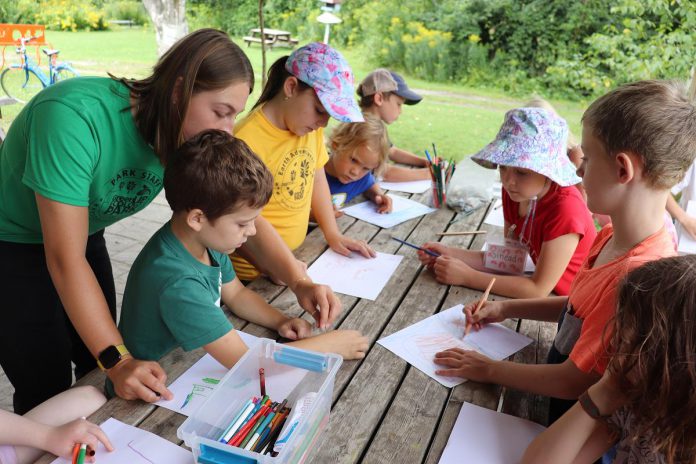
285,129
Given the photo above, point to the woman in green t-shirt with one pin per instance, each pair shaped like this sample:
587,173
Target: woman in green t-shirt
80,156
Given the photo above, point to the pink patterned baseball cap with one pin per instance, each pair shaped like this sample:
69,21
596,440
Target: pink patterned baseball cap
328,73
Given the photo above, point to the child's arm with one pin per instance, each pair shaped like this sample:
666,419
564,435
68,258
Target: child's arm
686,221
274,256
249,305
553,260
406,157
376,195
402,174
563,380
576,437
52,426
324,214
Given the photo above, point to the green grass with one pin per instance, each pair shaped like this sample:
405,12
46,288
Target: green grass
459,119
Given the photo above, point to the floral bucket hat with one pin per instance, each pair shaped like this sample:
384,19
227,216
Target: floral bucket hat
328,73
534,139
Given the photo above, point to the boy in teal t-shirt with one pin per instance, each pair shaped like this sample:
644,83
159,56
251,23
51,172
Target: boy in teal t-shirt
216,187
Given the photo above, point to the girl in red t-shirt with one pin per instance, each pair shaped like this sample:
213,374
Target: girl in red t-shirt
545,214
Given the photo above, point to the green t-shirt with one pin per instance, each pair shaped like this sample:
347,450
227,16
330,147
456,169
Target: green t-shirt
75,143
172,299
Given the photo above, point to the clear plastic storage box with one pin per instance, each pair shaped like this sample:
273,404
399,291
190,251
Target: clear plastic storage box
290,373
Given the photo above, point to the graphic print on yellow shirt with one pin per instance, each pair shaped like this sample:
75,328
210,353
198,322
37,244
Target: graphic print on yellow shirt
294,178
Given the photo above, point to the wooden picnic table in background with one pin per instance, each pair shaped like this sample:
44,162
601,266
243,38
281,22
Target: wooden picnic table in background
272,38
384,410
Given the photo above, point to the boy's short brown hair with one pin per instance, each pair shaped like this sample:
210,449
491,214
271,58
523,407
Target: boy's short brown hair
654,119
216,173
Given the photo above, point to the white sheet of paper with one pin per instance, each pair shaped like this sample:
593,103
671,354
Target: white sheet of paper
135,446
403,209
414,186
191,390
418,343
529,266
687,245
354,275
495,216
488,436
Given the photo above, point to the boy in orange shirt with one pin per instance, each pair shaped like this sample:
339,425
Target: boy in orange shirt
638,142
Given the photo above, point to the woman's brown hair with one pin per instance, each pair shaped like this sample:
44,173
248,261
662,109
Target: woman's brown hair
204,60
654,354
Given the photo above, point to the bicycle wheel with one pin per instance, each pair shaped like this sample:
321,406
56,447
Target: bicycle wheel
65,72
20,84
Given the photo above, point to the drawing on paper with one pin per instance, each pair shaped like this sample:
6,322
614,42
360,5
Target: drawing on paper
200,390
430,344
133,448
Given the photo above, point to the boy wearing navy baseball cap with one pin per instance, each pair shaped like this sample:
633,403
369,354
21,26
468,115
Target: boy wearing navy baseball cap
382,94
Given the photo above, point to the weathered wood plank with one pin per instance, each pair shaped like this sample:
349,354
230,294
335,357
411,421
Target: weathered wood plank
359,409
523,404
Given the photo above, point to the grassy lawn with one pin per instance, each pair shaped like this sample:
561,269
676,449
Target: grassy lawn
460,120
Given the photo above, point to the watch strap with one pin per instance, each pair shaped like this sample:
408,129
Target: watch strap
122,351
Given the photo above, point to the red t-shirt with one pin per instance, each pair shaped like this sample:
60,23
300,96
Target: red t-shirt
593,294
560,212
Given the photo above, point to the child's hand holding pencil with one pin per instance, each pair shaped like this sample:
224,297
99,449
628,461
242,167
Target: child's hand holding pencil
481,312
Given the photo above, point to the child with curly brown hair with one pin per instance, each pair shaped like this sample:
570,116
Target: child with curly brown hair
645,403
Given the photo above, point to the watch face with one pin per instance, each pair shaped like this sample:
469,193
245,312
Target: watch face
109,357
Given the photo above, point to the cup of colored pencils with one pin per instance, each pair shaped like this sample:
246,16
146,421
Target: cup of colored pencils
441,171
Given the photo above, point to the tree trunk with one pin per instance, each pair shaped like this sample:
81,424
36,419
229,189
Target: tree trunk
169,18
263,46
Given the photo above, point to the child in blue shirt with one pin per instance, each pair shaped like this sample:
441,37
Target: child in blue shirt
358,153
216,187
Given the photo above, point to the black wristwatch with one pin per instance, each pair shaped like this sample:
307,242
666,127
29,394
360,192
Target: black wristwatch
111,356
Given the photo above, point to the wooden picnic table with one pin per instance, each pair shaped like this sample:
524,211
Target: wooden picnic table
384,410
272,38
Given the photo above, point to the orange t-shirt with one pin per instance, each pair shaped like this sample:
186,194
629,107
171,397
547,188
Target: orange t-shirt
592,296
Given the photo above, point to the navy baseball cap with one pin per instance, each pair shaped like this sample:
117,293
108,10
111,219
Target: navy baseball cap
383,80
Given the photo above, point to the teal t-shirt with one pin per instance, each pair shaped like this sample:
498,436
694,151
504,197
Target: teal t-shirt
75,143
172,299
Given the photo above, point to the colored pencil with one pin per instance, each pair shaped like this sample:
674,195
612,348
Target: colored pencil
483,299
431,253
234,424
464,232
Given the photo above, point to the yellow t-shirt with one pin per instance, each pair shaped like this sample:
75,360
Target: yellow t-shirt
293,162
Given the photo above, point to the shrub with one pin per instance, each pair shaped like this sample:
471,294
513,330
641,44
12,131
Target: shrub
69,15
127,9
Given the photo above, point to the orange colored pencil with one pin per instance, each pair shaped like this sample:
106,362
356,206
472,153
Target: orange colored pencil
467,326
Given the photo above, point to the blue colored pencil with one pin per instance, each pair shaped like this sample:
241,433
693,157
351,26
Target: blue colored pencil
431,253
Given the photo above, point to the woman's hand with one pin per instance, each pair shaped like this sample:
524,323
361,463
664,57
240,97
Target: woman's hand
135,379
